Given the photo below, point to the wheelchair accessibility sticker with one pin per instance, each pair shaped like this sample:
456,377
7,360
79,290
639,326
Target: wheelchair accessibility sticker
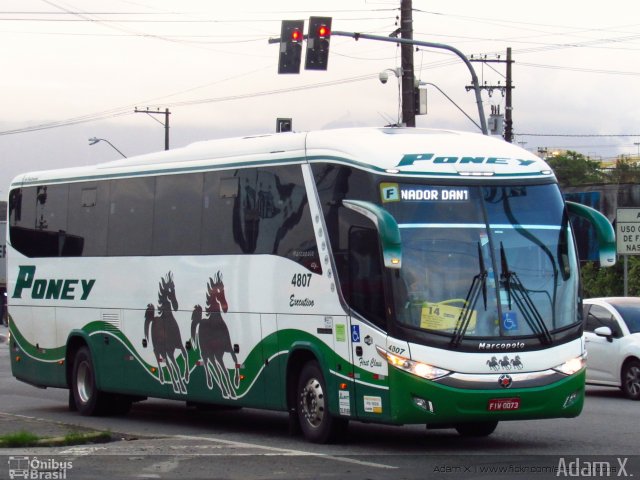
509,321
355,333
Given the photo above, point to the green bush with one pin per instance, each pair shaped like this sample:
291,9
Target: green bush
609,282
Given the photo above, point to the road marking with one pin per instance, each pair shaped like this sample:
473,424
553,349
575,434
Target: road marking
160,467
275,451
81,451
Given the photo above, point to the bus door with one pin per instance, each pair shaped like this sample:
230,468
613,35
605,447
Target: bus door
365,294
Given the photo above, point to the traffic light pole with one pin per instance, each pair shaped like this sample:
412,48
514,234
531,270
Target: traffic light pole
474,77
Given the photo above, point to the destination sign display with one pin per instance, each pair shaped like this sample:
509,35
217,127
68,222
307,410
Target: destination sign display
397,192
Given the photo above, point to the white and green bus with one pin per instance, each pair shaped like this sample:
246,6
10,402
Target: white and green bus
387,275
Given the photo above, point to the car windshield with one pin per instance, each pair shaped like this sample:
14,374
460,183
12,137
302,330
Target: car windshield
630,313
484,261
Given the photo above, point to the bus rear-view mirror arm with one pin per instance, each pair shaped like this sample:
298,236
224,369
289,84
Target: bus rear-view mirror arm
604,231
387,227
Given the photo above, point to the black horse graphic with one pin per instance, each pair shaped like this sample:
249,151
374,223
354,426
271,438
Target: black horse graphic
505,363
493,363
165,335
211,336
517,363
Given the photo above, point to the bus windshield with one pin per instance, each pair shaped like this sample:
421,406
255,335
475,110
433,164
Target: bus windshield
485,262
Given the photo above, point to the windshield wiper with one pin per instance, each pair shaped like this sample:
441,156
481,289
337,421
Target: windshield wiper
478,284
516,290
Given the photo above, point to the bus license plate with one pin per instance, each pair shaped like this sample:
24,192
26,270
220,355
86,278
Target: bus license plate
502,404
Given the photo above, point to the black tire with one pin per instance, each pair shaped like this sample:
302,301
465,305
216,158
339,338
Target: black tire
316,422
630,379
476,429
88,400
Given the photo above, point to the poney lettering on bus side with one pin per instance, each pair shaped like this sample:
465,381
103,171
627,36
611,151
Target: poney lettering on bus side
50,289
410,158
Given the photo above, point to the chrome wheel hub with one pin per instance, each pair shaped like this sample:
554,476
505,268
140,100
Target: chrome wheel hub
84,382
312,402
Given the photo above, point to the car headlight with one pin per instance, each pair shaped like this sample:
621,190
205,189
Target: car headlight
419,369
572,366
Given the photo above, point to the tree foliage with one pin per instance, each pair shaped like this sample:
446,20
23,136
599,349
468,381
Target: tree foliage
624,171
572,169
609,281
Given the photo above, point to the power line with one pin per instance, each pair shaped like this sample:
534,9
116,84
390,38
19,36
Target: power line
121,111
579,69
577,135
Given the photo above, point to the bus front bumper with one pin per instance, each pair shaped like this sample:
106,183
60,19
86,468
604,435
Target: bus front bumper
416,400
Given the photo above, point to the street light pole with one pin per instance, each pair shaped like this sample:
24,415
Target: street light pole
94,140
474,77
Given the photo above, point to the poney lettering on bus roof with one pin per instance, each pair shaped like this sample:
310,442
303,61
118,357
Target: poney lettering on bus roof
410,158
50,289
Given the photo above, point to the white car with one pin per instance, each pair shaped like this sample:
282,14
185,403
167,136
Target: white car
612,334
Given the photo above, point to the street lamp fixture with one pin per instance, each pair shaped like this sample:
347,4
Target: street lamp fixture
94,140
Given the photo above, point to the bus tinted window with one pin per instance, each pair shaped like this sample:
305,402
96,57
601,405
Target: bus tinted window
88,216
131,216
245,211
38,221
354,241
259,211
177,214
218,202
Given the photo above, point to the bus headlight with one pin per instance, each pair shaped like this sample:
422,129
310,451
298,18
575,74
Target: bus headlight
419,369
572,366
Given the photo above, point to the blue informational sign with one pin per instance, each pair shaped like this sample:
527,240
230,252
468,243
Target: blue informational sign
355,333
510,321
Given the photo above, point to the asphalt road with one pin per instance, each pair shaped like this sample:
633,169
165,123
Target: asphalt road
164,439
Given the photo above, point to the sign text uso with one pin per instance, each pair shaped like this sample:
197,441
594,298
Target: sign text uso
50,289
411,158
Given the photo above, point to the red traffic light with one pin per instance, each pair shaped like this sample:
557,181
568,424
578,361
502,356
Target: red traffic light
296,35
323,31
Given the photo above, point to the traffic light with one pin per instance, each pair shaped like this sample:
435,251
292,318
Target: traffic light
290,46
318,43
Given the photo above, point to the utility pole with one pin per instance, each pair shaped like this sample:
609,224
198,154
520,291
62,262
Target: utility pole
506,91
408,75
166,114
508,119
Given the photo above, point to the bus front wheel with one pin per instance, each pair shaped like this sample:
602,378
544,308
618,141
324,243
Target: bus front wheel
88,400
317,423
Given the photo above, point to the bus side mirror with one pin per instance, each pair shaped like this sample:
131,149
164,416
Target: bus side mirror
387,227
604,231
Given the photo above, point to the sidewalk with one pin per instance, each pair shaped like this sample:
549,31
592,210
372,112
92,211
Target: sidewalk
51,432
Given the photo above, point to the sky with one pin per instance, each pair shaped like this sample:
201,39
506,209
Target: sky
73,70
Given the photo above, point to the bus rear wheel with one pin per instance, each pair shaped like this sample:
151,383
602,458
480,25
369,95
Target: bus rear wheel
317,423
476,429
88,400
